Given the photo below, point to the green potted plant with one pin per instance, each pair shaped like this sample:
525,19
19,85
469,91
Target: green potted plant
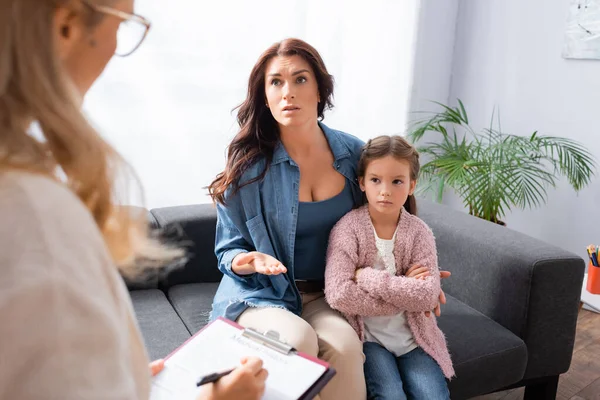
493,171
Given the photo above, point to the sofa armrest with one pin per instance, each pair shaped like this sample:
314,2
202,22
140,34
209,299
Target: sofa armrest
530,287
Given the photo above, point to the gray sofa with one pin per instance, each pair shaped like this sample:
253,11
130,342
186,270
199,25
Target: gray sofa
509,321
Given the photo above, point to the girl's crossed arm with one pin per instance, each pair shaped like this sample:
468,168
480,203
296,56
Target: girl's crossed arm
341,291
408,294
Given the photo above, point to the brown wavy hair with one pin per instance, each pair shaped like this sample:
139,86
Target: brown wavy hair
259,131
400,149
35,87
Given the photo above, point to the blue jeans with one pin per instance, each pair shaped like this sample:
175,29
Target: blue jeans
414,375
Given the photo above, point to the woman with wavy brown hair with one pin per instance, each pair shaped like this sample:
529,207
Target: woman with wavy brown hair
68,329
289,178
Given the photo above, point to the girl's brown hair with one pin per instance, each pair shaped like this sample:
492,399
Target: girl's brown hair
259,132
400,149
35,87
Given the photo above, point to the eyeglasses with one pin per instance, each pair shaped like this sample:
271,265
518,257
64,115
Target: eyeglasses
132,30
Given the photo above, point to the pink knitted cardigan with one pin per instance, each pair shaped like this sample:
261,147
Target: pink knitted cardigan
376,292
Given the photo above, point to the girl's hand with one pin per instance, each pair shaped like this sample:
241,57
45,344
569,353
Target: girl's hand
417,272
256,262
356,273
437,311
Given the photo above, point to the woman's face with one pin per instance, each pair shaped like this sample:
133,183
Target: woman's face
292,91
85,51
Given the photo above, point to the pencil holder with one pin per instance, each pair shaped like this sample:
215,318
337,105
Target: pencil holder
593,279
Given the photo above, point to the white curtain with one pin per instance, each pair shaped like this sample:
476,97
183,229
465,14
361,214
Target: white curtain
168,107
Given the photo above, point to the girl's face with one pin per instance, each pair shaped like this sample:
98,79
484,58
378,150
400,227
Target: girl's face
387,184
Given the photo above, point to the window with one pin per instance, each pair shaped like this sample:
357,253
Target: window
168,107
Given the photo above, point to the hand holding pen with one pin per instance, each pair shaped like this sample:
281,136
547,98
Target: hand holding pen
246,382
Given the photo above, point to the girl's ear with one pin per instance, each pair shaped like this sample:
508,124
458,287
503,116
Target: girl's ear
413,185
361,183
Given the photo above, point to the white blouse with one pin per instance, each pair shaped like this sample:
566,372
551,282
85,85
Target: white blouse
390,331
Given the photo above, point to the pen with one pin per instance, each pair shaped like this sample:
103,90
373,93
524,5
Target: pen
213,377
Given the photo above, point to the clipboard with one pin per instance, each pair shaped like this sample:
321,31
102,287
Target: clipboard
222,343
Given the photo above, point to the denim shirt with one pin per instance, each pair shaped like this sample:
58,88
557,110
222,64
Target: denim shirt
262,217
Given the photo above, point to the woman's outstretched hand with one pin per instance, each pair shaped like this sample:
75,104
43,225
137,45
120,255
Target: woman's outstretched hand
256,262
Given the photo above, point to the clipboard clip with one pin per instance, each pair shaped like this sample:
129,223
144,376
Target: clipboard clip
269,339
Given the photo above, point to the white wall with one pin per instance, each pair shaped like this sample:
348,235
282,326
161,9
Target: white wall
167,108
434,54
507,54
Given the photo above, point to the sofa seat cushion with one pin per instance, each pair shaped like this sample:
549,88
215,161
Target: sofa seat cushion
193,303
161,327
486,356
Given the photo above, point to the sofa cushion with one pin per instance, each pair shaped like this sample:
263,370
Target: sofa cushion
161,327
193,302
486,356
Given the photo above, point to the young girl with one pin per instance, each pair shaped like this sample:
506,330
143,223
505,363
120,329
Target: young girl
382,274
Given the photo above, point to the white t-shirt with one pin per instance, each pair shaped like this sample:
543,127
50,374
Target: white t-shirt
390,331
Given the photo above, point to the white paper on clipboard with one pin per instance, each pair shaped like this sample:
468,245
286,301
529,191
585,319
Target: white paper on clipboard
220,346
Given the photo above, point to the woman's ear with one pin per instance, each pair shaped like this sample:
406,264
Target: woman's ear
67,31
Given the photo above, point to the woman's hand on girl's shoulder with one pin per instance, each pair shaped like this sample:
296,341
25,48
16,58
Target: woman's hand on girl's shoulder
257,262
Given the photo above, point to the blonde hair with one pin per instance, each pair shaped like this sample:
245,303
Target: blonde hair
34,87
